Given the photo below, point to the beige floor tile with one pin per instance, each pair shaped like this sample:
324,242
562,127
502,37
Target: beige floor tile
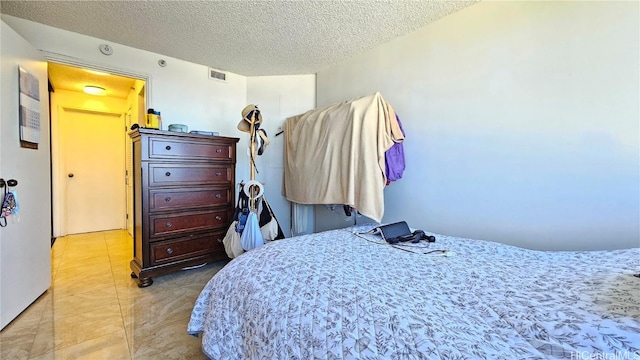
152,310
89,235
58,332
168,341
83,284
75,261
112,346
84,251
120,250
16,339
84,302
95,310
82,269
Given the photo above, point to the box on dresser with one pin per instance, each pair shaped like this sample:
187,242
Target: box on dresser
183,199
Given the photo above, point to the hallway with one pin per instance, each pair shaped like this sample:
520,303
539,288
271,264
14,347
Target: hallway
94,310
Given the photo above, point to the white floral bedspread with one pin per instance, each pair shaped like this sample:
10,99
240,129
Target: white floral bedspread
334,295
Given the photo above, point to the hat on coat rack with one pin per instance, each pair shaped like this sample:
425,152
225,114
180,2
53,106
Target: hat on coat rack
250,115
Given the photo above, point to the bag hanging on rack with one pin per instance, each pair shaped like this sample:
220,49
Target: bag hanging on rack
241,211
251,237
231,242
269,226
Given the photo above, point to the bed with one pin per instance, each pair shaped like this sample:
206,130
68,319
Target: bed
344,295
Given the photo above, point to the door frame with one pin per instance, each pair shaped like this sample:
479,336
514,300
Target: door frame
57,197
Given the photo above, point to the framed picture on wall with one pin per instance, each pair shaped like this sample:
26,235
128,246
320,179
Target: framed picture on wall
29,109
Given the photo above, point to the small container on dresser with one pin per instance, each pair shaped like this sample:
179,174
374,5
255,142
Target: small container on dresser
183,199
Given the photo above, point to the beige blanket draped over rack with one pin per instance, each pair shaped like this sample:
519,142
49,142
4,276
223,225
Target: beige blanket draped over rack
335,155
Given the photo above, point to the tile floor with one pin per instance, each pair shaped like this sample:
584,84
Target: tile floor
94,310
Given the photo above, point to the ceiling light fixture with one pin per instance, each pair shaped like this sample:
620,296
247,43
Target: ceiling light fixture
94,90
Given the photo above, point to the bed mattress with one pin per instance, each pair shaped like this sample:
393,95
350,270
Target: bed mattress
337,295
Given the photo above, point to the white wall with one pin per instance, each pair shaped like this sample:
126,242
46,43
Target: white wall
184,94
182,90
278,97
521,120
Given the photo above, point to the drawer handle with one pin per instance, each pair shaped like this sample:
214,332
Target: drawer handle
219,240
218,173
167,174
218,196
218,217
168,224
169,251
167,199
218,150
168,147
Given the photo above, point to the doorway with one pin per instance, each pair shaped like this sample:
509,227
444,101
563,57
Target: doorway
93,155
89,144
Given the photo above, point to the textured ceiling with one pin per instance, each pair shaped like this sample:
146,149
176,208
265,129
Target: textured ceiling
244,37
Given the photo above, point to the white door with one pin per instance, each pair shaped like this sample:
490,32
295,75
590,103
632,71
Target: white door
25,245
93,151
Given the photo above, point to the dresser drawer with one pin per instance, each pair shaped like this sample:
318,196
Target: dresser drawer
182,149
180,223
176,199
186,248
201,174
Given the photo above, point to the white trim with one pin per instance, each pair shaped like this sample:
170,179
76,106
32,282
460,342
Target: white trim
81,63
59,176
59,229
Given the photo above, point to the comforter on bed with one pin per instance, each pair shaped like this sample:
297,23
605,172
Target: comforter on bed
336,295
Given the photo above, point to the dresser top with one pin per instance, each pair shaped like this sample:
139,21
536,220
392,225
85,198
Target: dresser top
143,131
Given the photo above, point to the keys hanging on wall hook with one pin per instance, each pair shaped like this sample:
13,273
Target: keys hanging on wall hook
9,202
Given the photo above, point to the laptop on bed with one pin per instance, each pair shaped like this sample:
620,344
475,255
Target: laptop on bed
400,232
391,233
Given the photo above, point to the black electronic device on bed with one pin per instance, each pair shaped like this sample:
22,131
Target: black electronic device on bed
400,232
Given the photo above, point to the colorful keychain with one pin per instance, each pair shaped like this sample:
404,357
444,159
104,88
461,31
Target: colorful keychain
9,204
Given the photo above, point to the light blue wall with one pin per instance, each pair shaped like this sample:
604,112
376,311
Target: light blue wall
521,120
278,98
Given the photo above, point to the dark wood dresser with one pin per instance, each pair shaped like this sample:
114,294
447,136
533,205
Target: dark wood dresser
183,200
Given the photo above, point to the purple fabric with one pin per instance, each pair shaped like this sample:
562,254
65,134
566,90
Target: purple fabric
394,159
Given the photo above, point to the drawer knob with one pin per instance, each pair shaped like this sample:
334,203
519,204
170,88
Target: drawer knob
167,174
169,251
218,150
218,173
168,147
167,199
218,217
219,240
218,196
168,224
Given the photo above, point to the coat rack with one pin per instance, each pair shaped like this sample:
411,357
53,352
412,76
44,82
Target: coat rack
250,123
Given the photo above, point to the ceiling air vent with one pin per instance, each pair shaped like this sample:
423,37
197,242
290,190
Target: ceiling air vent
217,75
